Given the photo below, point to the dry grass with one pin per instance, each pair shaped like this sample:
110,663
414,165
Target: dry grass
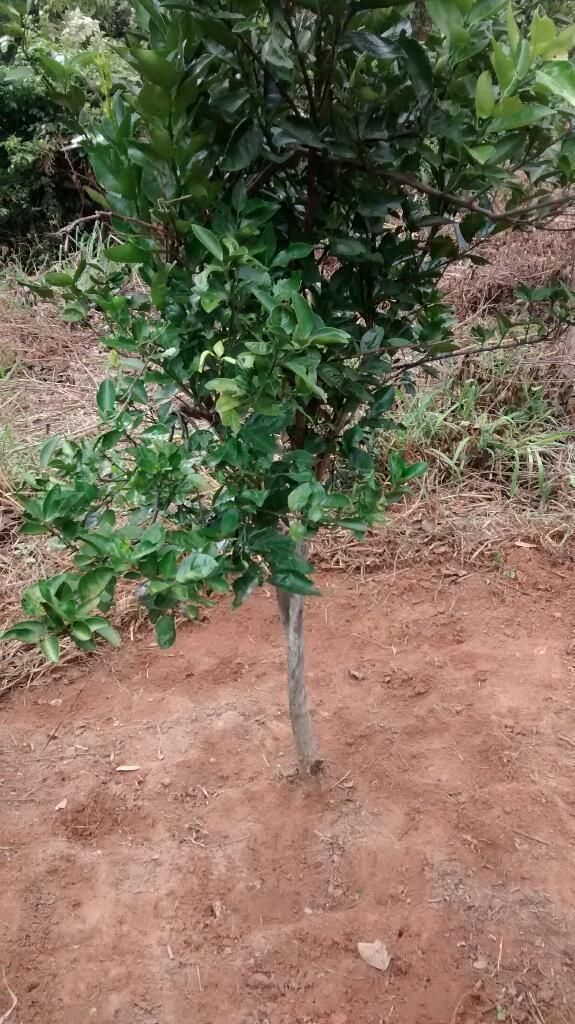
49,375
468,527
530,257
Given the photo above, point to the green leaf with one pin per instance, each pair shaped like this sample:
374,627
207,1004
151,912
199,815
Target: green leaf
56,70
559,78
416,469
471,224
297,251
165,631
484,97
52,502
330,336
484,10
18,73
367,42
446,15
197,566
127,252
523,60
208,240
50,647
80,631
47,450
225,385
244,585
298,531
295,582
374,5
561,45
274,51
106,397
93,583
543,31
97,197
211,300
513,33
483,154
299,497
27,632
530,113
503,65
157,68
306,317
348,247
102,627
75,312
244,147
419,68
305,375
59,279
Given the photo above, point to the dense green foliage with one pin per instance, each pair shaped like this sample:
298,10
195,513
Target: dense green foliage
35,193
290,181
42,174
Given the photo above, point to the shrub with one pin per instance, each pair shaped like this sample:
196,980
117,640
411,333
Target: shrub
291,180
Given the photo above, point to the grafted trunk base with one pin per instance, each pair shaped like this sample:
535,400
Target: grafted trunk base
291,608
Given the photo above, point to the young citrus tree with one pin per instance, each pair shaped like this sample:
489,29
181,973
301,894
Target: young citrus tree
290,180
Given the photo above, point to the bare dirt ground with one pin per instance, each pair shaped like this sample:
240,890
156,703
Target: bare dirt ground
208,885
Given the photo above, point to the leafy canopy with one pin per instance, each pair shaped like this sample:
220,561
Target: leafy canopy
289,181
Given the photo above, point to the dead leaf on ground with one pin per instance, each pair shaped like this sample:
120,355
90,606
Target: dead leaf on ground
62,805
376,954
128,768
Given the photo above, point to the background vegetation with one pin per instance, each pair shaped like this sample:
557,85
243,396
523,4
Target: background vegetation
43,174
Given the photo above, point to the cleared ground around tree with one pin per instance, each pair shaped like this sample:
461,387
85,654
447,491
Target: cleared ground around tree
208,885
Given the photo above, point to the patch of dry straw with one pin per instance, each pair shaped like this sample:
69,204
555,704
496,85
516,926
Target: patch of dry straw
456,523
532,257
51,372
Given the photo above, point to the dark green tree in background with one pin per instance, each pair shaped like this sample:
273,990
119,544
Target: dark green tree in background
43,173
290,180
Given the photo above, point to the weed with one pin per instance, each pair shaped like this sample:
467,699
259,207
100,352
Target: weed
502,419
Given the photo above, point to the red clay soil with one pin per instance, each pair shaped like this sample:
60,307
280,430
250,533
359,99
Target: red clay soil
208,885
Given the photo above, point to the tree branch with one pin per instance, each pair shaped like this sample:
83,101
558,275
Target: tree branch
474,350
510,216
322,464
299,57
547,206
264,68
158,229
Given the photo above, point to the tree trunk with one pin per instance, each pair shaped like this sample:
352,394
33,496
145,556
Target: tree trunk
291,614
